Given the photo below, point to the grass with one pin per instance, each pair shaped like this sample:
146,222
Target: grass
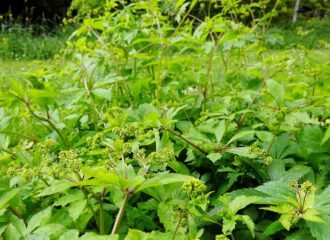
21,43
16,68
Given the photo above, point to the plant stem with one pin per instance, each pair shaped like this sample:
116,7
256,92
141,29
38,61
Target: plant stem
210,65
185,139
13,211
41,118
8,151
241,120
120,213
179,222
101,217
303,204
101,201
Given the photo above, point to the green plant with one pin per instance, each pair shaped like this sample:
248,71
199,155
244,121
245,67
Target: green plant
25,41
164,125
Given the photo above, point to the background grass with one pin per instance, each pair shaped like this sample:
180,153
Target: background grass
24,43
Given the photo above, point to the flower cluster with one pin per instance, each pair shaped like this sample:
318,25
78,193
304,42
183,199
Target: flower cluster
155,161
69,159
261,153
194,188
306,187
24,172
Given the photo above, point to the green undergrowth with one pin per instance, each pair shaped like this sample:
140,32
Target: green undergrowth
312,34
24,43
159,126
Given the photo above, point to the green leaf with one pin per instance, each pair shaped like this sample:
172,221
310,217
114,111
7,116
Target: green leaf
242,201
214,156
320,231
76,209
39,219
108,178
38,236
277,189
326,135
276,90
299,235
239,135
179,167
248,222
265,136
72,196
312,215
284,208
273,228
56,187
286,221
296,172
220,130
6,197
103,93
310,137
134,234
242,151
72,234
162,179
51,230
18,224
166,214
94,236
228,226
42,97
11,233
18,88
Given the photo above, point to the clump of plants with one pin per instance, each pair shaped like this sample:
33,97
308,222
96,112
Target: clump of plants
167,126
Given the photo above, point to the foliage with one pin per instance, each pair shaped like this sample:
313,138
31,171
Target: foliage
306,34
166,126
21,40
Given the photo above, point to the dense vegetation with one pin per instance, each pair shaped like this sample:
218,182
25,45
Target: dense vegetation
154,123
